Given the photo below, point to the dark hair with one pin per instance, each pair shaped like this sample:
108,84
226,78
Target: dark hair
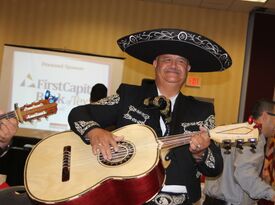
262,106
98,92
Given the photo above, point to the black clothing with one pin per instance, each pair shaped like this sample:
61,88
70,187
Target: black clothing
213,201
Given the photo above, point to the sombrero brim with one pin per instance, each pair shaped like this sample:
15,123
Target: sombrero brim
203,54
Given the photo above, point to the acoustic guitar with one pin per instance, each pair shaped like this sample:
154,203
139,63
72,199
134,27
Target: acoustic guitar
61,169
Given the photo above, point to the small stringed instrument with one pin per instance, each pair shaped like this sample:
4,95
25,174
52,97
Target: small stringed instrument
61,169
29,112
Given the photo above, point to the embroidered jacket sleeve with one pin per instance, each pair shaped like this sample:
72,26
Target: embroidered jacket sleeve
102,113
211,163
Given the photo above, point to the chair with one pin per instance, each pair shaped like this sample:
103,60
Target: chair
15,195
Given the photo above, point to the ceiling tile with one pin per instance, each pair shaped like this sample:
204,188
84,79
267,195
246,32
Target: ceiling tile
163,1
188,2
245,6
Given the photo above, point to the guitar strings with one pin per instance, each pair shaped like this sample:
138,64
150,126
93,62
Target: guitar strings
8,115
119,154
169,142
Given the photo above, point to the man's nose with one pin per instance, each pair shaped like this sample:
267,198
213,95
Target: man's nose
174,63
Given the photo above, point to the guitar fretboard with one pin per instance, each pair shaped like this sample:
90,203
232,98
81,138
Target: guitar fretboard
173,141
8,115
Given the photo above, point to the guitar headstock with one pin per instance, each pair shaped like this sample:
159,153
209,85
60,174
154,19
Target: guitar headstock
36,110
236,135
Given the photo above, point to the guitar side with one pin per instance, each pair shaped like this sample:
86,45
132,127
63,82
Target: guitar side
90,180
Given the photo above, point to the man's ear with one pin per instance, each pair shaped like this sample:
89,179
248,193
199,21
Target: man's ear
264,115
189,68
155,63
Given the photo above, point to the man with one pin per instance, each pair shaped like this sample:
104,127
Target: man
173,53
8,128
240,182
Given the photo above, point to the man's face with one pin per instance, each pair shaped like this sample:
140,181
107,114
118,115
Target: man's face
171,68
268,125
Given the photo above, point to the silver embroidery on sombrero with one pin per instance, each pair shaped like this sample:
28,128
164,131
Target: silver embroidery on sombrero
209,123
132,109
182,36
166,199
82,126
110,100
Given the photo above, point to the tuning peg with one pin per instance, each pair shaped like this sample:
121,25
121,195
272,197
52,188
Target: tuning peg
49,97
253,143
239,143
227,146
53,99
253,148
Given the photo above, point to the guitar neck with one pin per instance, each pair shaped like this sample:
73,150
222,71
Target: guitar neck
234,133
33,111
173,141
9,115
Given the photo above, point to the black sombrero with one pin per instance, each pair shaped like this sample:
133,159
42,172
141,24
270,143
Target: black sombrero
204,54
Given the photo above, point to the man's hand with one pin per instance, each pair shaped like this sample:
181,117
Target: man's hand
8,128
199,143
102,141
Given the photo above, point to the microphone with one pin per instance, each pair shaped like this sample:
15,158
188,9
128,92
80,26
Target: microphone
159,102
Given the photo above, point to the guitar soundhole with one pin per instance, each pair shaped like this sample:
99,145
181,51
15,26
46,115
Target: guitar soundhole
125,152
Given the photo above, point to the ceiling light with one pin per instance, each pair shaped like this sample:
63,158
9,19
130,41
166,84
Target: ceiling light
259,1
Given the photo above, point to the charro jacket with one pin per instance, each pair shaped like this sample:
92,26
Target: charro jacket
126,107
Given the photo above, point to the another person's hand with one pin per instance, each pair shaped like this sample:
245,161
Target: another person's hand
103,141
8,128
199,143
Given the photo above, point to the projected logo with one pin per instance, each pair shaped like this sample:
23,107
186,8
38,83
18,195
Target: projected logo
28,82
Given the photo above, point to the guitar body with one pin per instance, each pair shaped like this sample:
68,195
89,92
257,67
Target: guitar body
61,169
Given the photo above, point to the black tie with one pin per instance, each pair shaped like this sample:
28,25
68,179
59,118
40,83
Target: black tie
167,117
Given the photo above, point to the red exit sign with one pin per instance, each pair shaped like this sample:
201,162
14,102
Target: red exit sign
193,81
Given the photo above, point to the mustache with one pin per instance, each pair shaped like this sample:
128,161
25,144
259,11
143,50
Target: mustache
174,70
